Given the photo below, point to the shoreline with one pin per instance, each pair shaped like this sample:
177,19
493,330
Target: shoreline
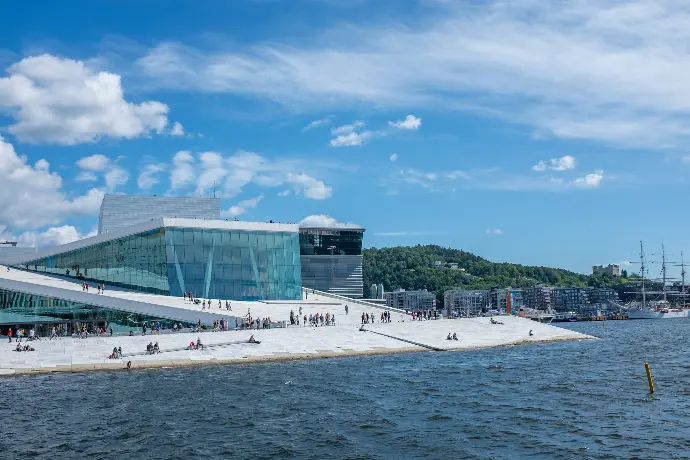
136,365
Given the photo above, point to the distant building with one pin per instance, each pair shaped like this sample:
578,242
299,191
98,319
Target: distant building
411,300
499,298
570,299
611,269
376,291
602,299
438,264
466,303
538,297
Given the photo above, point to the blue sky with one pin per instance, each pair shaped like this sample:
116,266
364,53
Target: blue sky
537,132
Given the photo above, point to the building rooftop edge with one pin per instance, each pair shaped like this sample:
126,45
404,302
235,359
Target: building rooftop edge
171,222
354,229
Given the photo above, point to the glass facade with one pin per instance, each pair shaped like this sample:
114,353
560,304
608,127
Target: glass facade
134,262
241,265
20,309
329,242
209,263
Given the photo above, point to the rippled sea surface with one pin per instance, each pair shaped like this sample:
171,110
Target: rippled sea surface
586,399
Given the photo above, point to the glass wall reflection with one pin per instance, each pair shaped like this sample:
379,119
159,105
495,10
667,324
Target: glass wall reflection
209,263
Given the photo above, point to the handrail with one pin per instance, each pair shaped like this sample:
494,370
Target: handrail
351,300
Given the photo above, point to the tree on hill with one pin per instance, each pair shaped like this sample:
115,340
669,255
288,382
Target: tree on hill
412,268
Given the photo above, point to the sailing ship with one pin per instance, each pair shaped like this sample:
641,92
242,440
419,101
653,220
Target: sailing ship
655,304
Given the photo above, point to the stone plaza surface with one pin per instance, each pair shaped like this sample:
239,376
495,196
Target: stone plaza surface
77,355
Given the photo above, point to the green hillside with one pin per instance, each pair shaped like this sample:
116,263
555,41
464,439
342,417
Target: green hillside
412,268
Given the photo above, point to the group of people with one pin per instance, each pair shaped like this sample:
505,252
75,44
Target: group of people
24,348
100,287
196,346
320,320
253,323
152,349
220,325
453,337
385,317
424,315
155,327
116,354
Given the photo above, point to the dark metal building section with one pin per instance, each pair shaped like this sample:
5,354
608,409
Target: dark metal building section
331,260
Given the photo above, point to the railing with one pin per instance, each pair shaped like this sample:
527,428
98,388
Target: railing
350,300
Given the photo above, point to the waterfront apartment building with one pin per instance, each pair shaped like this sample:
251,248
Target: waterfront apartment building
611,269
538,297
466,303
570,299
603,299
331,260
411,300
120,211
499,299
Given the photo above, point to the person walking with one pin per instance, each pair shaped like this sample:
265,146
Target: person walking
9,334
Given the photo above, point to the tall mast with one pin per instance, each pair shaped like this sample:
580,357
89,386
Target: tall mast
663,270
682,276
644,295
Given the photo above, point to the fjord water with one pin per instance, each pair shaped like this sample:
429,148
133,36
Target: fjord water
586,399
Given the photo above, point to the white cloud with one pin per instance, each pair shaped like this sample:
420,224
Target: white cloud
603,70
112,174
347,129
351,139
556,164
488,179
494,231
393,157
147,178
241,207
96,162
182,172
33,197
310,187
592,180
316,124
410,123
325,221
63,101
284,193
177,129
232,173
86,176
115,176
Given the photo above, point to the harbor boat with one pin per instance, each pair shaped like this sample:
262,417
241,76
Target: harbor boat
569,317
662,308
536,315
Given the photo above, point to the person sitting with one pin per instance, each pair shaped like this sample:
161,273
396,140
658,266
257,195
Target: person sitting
449,337
199,344
253,340
155,348
149,348
455,336
530,333
19,347
119,352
